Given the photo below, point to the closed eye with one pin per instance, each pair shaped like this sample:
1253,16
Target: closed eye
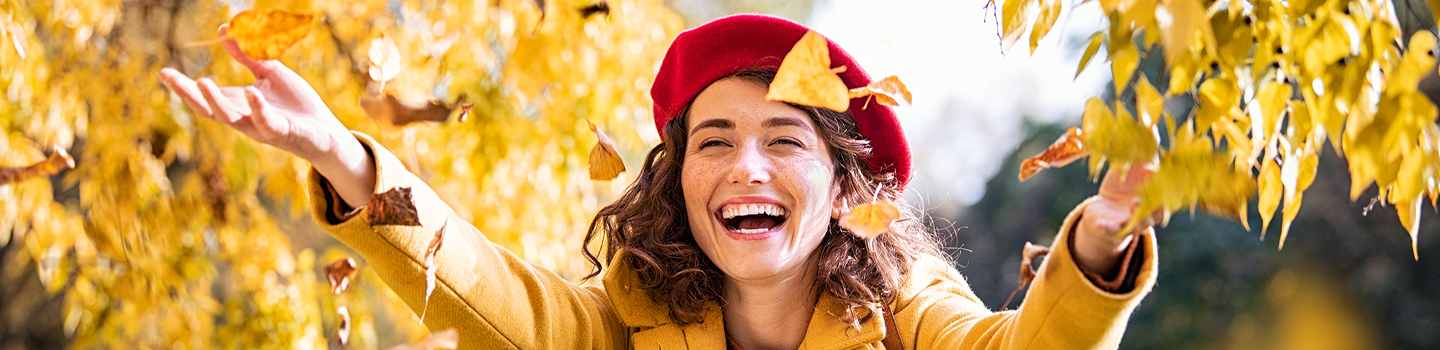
705,144
787,141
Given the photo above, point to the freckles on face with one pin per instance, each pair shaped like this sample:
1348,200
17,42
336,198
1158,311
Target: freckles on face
758,181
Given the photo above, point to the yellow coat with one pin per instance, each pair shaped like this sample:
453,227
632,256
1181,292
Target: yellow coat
497,300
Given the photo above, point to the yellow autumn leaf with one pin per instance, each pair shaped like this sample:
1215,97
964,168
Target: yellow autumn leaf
1409,212
1297,174
605,162
889,91
869,220
1115,138
264,34
1272,189
1123,63
805,76
384,59
1149,102
1015,13
1049,13
1218,97
1187,22
1092,46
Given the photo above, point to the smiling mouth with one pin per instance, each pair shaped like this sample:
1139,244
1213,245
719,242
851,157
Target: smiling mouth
751,218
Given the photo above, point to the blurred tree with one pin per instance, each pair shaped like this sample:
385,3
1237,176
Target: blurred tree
173,232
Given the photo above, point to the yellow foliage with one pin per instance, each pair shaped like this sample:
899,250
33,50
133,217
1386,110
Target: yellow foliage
173,231
1271,78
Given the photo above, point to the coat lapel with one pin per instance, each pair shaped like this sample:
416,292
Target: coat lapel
828,333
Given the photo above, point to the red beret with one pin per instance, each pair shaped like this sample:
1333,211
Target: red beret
727,45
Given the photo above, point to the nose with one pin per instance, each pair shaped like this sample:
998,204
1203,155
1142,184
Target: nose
752,166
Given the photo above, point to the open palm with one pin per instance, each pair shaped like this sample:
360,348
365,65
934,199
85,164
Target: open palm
281,109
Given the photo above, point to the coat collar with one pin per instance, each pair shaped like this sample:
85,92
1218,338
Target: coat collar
653,325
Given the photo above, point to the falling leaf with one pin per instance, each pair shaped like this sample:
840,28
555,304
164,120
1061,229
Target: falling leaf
391,111
605,162
446,339
601,8
1027,270
343,333
52,165
869,220
393,207
805,76
889,91
384,60
1066,149
339,274
264,34
431,266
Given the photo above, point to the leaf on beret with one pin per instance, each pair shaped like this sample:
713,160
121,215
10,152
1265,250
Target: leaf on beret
805,77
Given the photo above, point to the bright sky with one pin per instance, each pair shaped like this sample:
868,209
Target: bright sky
970,102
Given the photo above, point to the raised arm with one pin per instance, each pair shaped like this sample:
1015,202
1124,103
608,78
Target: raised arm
1081,298
366,198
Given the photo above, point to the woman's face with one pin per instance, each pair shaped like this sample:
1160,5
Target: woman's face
758,181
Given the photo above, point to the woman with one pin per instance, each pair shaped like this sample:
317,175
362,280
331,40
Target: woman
728,238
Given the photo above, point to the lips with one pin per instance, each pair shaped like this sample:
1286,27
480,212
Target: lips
751,218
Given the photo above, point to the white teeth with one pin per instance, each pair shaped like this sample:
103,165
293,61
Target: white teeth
751,231
734,210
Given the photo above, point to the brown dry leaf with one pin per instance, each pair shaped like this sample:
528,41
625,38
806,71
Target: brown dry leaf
52,165
431,266
264,34
384,59
805,77
393,207
339,274
1027,272
1066,149
446,339
869,220
391,111
343,333
889,91
605,162
601,8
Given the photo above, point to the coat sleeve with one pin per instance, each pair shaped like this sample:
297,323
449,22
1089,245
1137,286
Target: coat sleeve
492,297
1063,310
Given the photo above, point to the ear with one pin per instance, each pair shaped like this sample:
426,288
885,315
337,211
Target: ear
838,206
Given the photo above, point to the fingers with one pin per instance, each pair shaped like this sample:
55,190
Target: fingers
267,125
1122,186
260,68
221,107
187,89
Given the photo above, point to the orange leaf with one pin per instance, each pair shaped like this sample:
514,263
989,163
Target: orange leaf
1027,272
446,339
1066,149
870,220
264,34
805,77
889,91
50,166
605,162
339,274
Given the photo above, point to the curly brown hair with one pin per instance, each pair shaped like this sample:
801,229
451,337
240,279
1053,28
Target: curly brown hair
649,222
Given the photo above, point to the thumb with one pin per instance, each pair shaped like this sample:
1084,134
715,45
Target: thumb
260,68
1122,185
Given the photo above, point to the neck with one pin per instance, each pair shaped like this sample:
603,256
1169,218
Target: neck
771,313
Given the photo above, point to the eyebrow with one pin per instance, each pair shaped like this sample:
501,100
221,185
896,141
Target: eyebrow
770,123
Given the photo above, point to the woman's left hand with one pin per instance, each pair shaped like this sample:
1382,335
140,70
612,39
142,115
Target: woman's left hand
1098,246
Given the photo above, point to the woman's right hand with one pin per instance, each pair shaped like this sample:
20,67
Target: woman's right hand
282,109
